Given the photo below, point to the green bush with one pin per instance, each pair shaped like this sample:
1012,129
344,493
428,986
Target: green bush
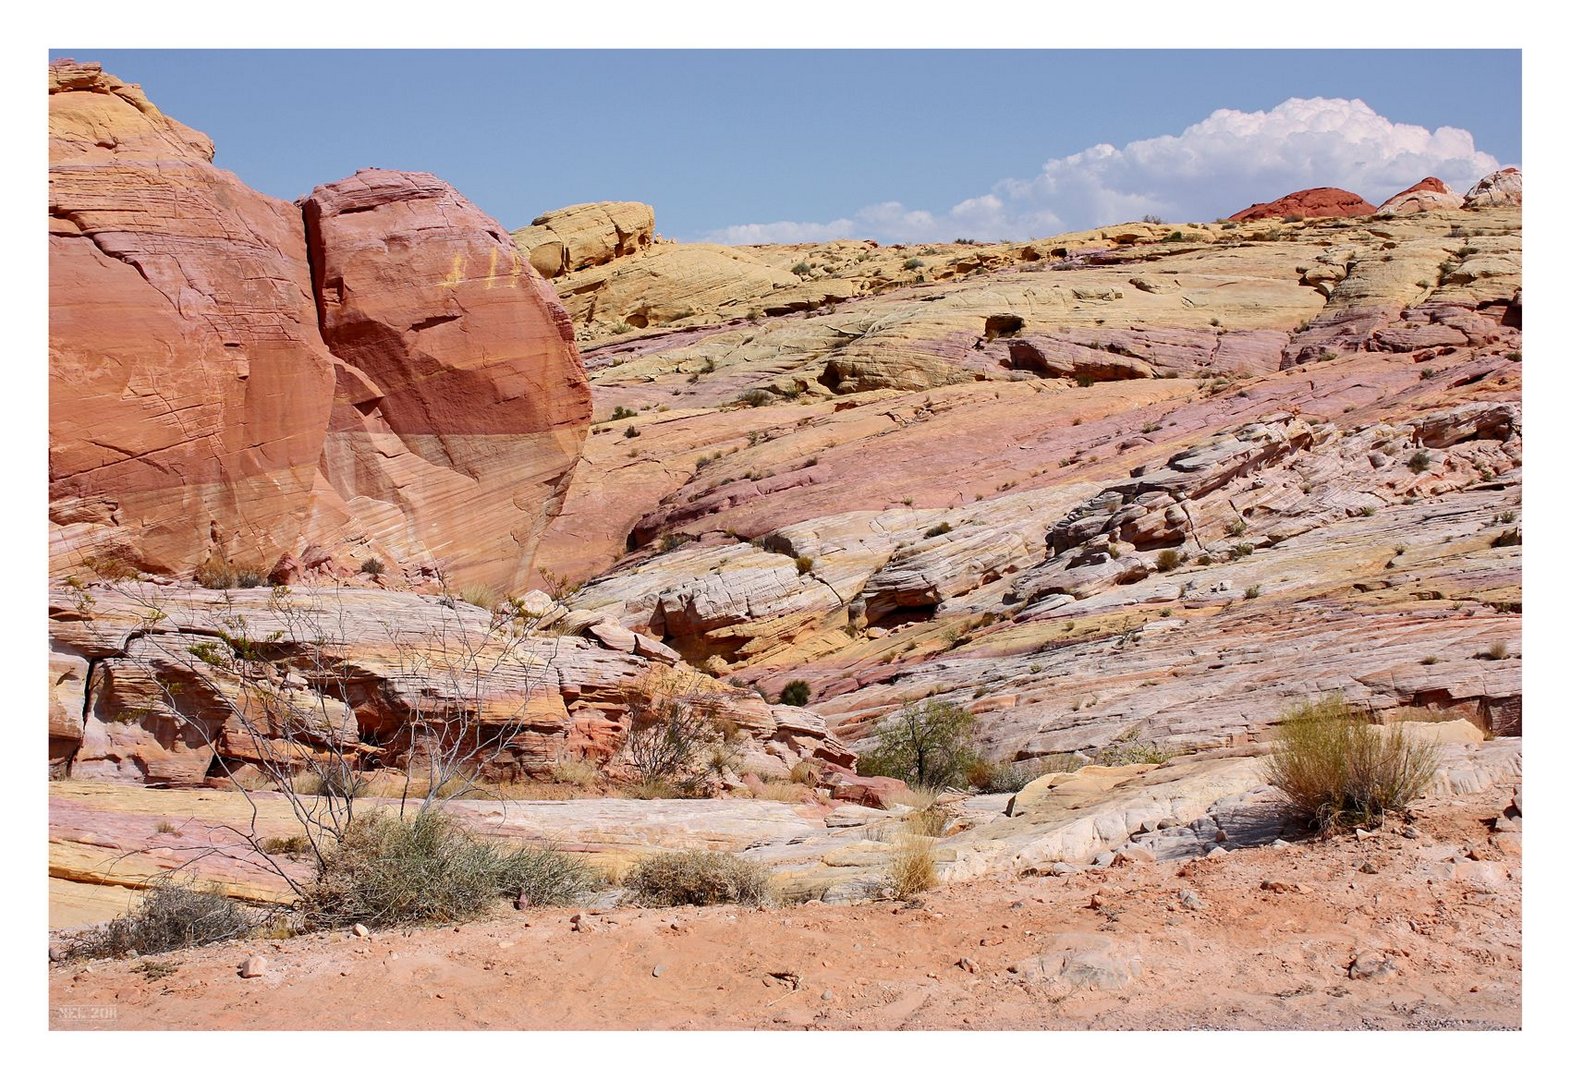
926,743
390,871
796,692
1338,771
169,917
697,877
622,412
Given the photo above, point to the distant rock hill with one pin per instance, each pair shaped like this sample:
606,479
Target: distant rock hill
1320,202
384,382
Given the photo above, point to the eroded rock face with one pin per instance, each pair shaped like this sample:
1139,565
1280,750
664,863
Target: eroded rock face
1503,188
1320,202
461,405
578,237
163,701
196,413
189,387
1428,194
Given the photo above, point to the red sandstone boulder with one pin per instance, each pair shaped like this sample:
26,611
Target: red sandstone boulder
1320,202
881,792
188,386
197,416
1428,194
462,403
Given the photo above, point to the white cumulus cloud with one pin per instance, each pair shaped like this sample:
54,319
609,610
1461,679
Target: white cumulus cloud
1222,164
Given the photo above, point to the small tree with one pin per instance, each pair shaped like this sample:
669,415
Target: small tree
927,743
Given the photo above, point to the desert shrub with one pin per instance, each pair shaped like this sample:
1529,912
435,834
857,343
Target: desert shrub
1129,751
1497,651
1237,527
481,596
805,772
913,263
1001,777
169,917
937,530
372,567
218,573
1252,593
622,412
631,432
672,728
756,397
1419,461
390,871
1168,560
577,773
1152,219
1338,771
801,269
804,563
913,868
298,844
927,743
796,692
697,877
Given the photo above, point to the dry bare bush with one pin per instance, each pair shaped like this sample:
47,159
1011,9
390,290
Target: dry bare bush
170,916
676,733
913,868
674,878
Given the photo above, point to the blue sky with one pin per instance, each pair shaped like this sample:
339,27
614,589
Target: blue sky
898,145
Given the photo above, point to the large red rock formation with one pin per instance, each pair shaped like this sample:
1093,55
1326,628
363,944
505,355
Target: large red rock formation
462,404
1320,202
189,387
196,411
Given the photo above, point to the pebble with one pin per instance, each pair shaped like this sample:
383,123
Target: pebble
827,995
1410,832
1368,868
360,931
965,963
254,967
1191,901
658,971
